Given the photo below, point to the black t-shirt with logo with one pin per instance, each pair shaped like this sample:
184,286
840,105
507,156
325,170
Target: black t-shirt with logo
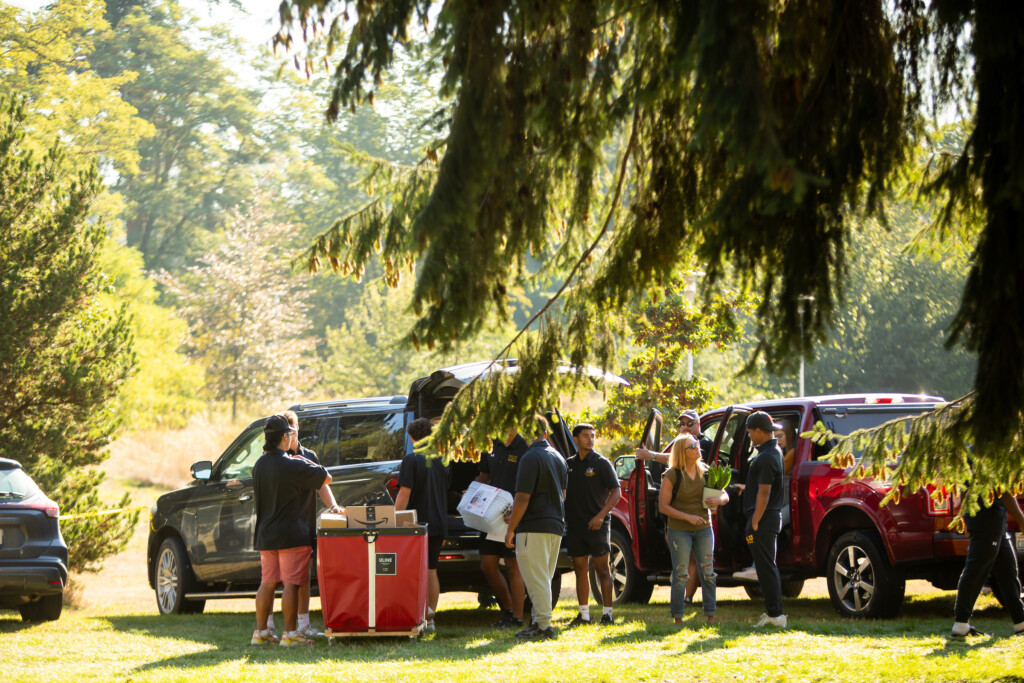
281,489
428,495
542,474
765,468
589,482
502,463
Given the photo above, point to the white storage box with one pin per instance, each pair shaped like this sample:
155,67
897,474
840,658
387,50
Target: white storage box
484,508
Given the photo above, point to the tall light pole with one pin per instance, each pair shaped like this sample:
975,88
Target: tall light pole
690,294
802,299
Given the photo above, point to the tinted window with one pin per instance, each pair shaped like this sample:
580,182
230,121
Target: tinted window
238,461
710,429
366,437
733,438
310,434
14,483
846,420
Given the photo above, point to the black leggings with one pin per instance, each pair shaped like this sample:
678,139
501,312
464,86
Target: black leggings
989,553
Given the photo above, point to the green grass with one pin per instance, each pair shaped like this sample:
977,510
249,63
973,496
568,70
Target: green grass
91,645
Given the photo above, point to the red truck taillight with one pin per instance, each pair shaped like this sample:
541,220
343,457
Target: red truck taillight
391,485
938,501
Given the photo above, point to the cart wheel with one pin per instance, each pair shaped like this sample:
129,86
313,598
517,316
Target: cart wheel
330,642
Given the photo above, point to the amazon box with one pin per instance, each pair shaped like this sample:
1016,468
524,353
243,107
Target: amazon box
368,517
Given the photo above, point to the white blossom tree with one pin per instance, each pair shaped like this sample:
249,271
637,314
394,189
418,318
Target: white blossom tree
246,312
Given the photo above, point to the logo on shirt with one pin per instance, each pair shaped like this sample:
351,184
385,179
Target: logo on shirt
590,472
513,458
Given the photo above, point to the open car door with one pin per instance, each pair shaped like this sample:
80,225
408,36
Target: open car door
645,501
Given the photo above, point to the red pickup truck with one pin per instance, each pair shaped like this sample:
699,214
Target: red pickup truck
837,528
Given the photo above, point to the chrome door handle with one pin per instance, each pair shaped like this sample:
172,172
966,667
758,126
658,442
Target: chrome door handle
245,497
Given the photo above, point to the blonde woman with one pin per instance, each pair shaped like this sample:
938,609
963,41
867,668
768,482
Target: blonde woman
689,525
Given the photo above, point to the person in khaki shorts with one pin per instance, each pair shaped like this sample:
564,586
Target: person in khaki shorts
538,514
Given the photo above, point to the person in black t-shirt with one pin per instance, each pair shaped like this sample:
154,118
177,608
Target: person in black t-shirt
537,523
282,535
592,493
423,486
763,498
498,468
298,450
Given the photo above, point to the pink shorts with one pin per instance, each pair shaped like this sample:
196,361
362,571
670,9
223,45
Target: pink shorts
289,566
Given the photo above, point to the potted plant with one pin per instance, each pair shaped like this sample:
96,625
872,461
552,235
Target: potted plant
718,477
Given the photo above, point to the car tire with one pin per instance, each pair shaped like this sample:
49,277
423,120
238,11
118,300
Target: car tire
628,583
173,579
861,582
790,589
46,608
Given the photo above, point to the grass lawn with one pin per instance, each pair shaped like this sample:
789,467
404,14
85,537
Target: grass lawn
116,634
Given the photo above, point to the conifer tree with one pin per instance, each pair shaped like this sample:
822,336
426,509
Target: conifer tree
613,135
63,353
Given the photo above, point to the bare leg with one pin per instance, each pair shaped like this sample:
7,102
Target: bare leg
496,580
264,604
582,567
433,590
516,585
604,577
289,606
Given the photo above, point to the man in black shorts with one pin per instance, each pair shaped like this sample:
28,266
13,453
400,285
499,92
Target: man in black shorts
592,493
423,486
498,468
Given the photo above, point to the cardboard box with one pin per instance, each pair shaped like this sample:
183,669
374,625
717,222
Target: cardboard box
368,517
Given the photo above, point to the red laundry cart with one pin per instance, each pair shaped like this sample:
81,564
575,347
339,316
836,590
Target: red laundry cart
373,582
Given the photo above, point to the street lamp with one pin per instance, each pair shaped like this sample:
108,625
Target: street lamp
690,294
802,299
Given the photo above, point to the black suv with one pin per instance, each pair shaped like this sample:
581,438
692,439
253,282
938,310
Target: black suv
33,555
200,539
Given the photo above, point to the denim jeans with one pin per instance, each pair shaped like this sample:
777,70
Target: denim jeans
702,544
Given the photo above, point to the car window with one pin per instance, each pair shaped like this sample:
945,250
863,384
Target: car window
847,419
238,461
310,435
733,439
710,429
14,483
624,466
367,437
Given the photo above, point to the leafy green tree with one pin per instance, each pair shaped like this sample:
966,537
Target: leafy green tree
201,160
167,388
748,132
64,353
247,314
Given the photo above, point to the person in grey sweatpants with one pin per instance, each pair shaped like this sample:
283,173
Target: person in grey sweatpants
537,522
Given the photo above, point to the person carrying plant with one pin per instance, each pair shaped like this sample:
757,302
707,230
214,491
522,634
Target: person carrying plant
684,501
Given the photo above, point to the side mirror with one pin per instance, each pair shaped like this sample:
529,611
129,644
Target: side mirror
624,466
202,470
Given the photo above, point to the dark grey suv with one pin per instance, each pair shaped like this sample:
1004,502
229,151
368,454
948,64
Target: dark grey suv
33,555
200,540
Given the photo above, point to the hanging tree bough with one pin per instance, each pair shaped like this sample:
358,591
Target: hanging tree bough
765,129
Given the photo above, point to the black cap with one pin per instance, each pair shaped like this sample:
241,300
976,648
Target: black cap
762,420
278,423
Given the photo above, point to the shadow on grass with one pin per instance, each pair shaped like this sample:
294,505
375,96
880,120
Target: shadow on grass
14,624
462,634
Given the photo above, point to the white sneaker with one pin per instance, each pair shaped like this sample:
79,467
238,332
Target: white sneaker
780,621
748,574
311,631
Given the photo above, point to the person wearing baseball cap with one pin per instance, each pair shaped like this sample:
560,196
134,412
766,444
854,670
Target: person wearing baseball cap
763,499
282,536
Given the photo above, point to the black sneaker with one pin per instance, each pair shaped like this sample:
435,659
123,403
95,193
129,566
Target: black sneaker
507,620
538,634
578,621
529,631
607,620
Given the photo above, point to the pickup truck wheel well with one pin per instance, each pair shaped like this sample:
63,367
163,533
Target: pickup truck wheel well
836,523
156,541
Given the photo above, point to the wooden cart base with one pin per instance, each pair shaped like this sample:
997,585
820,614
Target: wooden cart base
374,633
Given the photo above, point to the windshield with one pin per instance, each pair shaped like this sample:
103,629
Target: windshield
14,483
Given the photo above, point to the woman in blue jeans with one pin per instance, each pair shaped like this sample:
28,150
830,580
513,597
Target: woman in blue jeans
689,524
